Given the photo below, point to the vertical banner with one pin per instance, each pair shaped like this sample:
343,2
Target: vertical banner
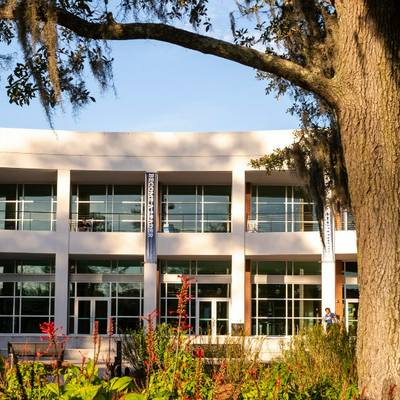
151,199
328,252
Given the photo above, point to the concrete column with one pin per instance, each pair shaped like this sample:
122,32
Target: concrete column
238,211
150,288
62,253
328,265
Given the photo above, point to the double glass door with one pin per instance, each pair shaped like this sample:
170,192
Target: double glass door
351,314
213,317
89,311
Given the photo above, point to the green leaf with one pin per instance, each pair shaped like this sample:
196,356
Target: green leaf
120,384
134,396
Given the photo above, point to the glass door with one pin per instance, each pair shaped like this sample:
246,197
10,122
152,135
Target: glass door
213,317
351,315
89,311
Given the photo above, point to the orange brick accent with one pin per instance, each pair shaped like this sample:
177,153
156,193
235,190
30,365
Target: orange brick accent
247,297
339,289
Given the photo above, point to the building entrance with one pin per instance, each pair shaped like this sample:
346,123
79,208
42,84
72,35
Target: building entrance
351,314
89,311
213,317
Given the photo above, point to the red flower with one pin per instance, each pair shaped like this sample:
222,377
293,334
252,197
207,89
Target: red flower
49,328
198,352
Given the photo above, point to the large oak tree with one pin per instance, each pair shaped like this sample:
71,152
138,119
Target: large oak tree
340,61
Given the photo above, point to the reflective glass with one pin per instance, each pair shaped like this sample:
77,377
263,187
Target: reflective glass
31,324
306,268
6,306
35,306
35,288
216,212
271,268
307,291
6,324
175,267
129,307
180,194
271,194
93,289
272,308
307,308
93,267
127,193
7,267
212,290
129,289
35,267
134,267
271,327
221,194
213,267
124,324
272,291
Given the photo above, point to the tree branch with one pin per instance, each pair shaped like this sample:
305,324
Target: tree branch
295,73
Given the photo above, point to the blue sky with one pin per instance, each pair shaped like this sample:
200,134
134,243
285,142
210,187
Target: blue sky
166,88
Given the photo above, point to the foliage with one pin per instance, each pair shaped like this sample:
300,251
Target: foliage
167,364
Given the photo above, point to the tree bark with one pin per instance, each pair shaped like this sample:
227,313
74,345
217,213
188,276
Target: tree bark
368,109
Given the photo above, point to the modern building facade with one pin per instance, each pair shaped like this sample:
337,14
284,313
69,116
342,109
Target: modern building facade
96,226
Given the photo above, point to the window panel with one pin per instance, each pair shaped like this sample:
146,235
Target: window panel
306,268
35,306
6,289
129,289
213,267
6,306
272,291
271,268
219,194
212,290
35,288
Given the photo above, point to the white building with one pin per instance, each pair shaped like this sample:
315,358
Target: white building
73,246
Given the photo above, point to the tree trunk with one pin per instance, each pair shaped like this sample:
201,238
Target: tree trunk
368,110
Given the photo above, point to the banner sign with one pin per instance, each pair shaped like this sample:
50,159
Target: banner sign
328,252
151,184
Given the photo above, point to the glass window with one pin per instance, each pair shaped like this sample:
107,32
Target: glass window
282,209
107,208
179,267
36,267
189,208
213,267
212,290
93,267
27,207
306,268
134,267
93,289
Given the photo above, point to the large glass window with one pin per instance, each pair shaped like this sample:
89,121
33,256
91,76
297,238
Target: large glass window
25,302
30,207
280,309
209,290
281,209
196,208
115,297
107,208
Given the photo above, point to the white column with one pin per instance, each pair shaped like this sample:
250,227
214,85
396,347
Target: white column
62,253
150,288
238,242
328,266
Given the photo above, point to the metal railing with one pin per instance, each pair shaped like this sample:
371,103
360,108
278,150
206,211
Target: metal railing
287,222
107,222
196,222
30,221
